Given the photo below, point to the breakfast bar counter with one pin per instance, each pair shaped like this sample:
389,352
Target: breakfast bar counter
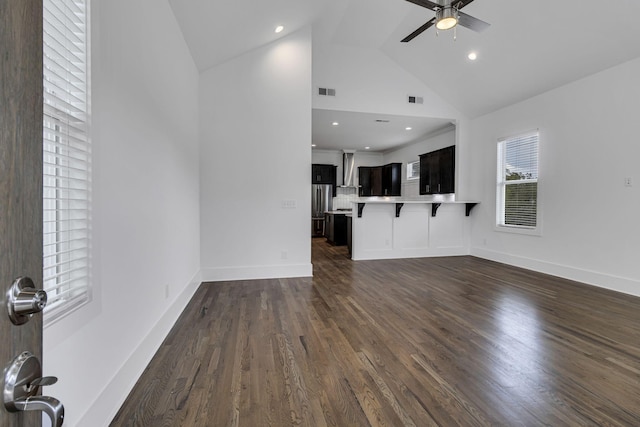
386,228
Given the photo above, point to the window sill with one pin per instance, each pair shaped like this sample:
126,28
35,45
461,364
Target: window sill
537,231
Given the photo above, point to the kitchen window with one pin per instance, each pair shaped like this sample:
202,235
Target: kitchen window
67,157
413,170
517,203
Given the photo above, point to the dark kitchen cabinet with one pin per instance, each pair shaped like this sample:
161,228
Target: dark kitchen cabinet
380,180
370,181
392,179
437,171
324,174
336,228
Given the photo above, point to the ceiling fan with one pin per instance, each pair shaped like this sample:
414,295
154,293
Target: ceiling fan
448,15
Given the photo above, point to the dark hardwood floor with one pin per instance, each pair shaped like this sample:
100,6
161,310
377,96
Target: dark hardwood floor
415,342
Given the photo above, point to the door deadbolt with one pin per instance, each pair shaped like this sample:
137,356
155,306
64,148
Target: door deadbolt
24,300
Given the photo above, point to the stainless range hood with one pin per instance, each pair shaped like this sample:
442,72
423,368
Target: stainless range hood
349,169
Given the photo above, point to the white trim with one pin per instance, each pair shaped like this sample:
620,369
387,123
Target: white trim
520,135
104,408
529,231
219,274
589,277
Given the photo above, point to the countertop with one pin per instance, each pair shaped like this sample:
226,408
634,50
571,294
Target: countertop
407,200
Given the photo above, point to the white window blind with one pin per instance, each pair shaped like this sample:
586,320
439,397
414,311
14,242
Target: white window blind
67,157
517,195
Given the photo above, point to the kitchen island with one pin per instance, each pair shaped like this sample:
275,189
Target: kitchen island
386,228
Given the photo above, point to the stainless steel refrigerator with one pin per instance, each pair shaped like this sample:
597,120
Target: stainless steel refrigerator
321,202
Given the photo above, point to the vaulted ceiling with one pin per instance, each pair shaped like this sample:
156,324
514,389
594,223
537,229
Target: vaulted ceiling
531,47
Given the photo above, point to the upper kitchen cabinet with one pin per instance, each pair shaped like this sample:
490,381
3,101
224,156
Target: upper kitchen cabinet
370,181
392,179
380,180
323,174
437,171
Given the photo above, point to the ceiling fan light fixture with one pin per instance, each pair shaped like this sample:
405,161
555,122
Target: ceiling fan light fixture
446,18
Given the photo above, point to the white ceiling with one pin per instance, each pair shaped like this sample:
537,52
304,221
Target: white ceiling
531,47
360,130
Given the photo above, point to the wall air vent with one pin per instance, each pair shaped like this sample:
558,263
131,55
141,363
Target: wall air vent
415,99
323,91
382,121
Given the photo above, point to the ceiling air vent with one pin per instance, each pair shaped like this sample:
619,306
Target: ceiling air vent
415,99
323,91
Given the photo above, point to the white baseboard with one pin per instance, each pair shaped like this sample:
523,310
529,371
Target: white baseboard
410,253
109,401
595,278
220,274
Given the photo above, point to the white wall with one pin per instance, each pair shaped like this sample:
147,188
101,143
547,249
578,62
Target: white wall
368,81
256,154
588,145
145,209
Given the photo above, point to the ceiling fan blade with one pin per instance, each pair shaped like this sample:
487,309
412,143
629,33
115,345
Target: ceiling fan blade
472,23
419,31
460,4
427,4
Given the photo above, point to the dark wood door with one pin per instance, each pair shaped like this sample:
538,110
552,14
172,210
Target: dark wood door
447,172
428,174
323,174
20,177
364,181
376,181
392,179
437,171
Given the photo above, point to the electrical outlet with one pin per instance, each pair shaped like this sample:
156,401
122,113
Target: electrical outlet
628,182
166,291
284,255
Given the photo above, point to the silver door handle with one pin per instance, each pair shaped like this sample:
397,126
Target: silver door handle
24,300
22,380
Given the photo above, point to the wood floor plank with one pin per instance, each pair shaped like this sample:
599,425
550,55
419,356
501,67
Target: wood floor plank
416,342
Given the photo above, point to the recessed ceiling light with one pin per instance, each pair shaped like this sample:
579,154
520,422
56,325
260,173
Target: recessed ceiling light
335,124
313,145
472,56
408,128
367,148
279,29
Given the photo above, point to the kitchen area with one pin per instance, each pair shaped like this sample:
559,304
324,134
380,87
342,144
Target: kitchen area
398,201
330,203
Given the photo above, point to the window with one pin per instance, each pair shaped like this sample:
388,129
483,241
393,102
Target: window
67,157
413,170
517,195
